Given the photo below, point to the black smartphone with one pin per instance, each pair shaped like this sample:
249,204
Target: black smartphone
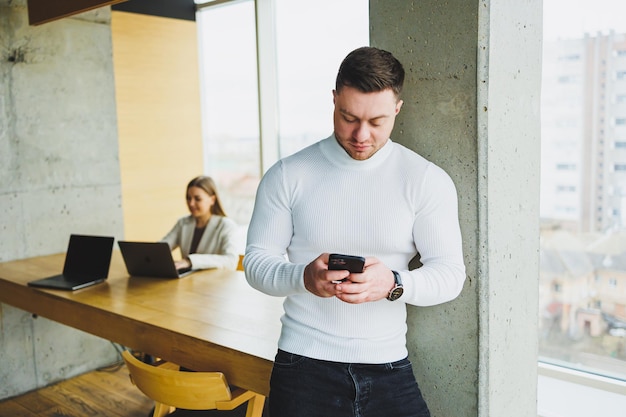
351,263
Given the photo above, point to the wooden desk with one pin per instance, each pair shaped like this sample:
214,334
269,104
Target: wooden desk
210,320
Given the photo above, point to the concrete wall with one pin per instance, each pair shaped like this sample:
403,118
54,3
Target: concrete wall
472,106
59,174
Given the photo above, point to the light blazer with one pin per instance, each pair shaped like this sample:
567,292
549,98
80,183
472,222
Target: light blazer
217,247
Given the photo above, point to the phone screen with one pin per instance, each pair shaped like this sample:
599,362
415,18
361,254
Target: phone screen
351,263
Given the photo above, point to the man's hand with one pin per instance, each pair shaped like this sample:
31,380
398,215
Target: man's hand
318,279
372,284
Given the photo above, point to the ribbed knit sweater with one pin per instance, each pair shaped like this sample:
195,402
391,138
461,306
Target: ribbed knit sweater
391,206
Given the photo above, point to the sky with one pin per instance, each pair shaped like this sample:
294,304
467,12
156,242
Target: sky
573,18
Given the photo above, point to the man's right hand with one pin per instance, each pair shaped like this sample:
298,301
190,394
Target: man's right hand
318,279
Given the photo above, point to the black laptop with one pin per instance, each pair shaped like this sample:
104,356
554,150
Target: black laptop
87,263
150,259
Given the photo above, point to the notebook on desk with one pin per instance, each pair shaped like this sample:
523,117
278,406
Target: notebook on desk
87,263
150,259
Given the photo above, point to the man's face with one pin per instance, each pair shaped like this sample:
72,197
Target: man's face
363,121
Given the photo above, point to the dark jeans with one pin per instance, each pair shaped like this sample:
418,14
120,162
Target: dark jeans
305,387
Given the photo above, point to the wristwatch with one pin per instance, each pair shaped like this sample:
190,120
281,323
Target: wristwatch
397,290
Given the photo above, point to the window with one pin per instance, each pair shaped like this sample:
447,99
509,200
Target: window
565,167
267,70
307,64
570,57
568,79
230,111
566,189
582,300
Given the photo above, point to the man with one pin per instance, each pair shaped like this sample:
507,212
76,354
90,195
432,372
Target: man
342,349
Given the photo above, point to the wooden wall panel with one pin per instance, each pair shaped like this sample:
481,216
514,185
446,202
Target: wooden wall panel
159,119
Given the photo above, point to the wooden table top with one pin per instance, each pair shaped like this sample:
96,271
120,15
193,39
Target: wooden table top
210,320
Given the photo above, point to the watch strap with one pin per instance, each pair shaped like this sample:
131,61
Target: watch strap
397,290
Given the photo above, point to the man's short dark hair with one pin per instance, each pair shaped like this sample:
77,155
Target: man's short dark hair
369,70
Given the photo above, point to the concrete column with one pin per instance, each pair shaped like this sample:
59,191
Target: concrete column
472,107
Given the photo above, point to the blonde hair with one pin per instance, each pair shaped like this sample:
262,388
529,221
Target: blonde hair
208,185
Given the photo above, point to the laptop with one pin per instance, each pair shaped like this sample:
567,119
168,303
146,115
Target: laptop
87,263
150,259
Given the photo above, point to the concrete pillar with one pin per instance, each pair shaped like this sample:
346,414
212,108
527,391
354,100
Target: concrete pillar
472,106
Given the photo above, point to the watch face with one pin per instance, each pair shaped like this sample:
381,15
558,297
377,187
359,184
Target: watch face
395,293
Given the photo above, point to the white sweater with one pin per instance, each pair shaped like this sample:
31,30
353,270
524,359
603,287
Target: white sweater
390,206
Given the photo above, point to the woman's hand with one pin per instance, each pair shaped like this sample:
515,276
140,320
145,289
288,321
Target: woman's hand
183,263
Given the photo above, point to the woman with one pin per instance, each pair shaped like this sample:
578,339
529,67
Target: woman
206,238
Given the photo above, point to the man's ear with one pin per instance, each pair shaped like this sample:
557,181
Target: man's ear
399,106
334,96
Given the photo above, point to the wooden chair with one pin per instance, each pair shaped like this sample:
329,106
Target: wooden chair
171,388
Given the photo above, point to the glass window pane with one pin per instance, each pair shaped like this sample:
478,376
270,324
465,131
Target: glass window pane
313,37
582,293
230,110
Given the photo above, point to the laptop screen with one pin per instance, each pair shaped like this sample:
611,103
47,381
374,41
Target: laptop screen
88,256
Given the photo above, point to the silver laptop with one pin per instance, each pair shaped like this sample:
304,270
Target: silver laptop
87,263
150,259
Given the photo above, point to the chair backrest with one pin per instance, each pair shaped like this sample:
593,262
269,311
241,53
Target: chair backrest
240,263
189,390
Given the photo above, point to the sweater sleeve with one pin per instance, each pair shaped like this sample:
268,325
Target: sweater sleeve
271,228
437,236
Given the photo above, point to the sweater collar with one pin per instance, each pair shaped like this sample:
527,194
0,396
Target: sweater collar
338,156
